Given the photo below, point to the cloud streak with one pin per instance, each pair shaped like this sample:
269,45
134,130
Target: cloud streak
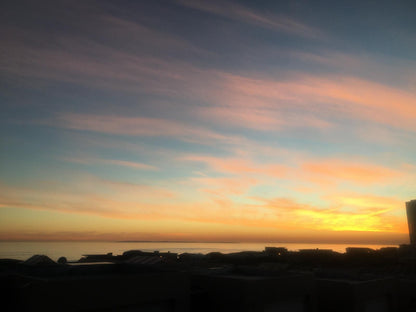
235,11
116,162
138,126
337,97
330,170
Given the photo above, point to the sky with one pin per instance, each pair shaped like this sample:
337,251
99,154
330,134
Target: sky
256,121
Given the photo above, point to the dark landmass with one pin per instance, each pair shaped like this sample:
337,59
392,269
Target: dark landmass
361,279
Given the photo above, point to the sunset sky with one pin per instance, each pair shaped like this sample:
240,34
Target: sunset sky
277,121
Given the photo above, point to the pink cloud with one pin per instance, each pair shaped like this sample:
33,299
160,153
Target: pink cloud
261,118
318,100
246,100
243,117
129,164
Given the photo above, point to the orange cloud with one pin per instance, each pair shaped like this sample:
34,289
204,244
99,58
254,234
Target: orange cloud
330,170
339,221
272,218
372,204
357,213
90,195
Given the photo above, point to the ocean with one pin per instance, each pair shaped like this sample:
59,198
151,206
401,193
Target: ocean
75,250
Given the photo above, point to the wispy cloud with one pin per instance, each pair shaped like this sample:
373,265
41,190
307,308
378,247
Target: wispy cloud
131,164
85,59
328,171
235,11
138,126
323,171
123,163
91,195
112,69
335,98
245,100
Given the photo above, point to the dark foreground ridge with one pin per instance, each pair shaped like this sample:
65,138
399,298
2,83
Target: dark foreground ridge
275,279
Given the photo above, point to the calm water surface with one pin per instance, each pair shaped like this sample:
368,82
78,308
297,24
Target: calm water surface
74,250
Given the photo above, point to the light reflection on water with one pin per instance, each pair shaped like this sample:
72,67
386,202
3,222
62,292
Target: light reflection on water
74,250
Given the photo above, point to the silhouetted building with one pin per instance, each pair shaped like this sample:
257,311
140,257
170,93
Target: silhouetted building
411,220
39,260
359,251
94,288
275,251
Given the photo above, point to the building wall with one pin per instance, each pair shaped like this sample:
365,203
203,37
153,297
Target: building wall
411,220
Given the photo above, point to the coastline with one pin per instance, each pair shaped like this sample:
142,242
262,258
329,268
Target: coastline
73,250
